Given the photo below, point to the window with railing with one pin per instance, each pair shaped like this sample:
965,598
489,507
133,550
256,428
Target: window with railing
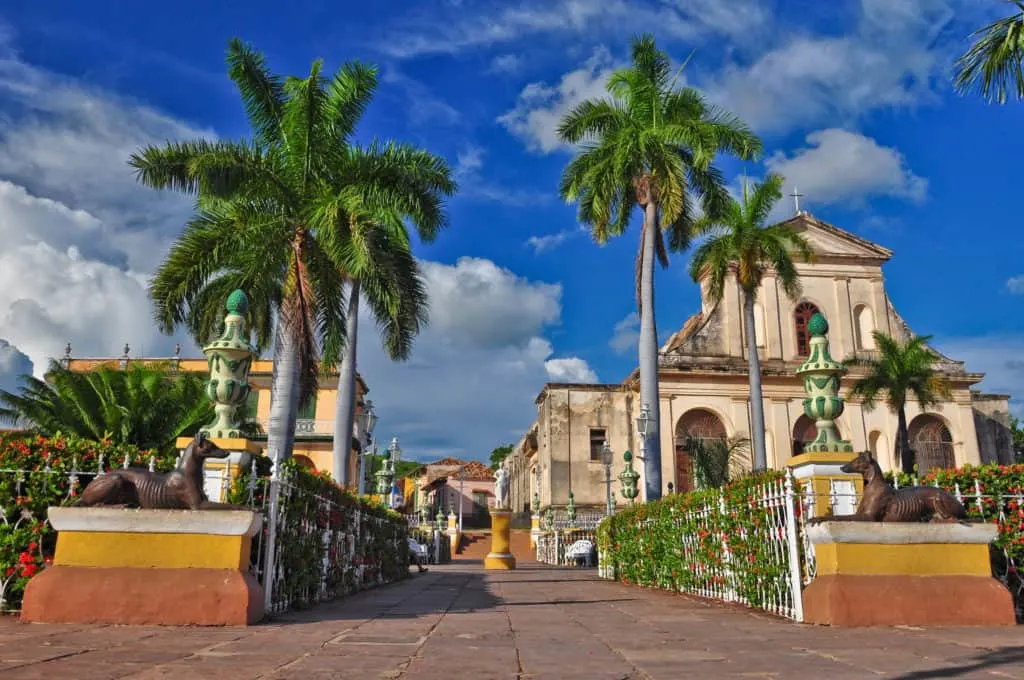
802,316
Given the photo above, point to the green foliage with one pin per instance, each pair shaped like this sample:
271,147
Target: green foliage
994,64
35,473
312,505
898,370
1017,432
643,542
714,460
149,406
499,454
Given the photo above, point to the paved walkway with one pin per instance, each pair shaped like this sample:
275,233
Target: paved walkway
458,622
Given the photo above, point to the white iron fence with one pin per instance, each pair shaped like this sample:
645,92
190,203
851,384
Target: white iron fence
765,560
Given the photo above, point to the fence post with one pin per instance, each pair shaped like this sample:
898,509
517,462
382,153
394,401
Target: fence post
795,574
269,563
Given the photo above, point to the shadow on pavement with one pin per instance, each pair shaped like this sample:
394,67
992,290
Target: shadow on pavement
988,660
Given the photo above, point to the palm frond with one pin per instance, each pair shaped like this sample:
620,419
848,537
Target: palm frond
994,64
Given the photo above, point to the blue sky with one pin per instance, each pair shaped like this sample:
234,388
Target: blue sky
852,99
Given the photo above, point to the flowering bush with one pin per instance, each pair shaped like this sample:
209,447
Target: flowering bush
36,473
330,542
711,540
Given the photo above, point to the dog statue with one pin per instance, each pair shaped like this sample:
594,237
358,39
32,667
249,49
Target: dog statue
180,489
882,503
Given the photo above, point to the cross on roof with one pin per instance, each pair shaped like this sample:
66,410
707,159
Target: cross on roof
796,199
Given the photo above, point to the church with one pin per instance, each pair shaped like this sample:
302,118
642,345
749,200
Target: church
704,389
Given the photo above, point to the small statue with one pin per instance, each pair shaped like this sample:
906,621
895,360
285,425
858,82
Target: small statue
180,489
501,489
882,503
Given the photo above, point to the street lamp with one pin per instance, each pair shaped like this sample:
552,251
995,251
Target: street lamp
606,458
367,421
643,428
462,495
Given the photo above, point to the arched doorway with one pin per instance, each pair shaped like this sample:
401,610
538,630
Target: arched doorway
305,463
805,432
932,443
801,317
699,423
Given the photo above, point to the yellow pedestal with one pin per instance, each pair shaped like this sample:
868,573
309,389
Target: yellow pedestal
500,556
889,574
453,532
148,567
534,531
820,475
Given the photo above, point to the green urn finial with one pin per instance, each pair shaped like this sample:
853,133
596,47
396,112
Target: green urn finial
817,326
238,303
230,357
628,477
821,375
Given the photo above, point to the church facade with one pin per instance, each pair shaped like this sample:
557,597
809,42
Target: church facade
704,389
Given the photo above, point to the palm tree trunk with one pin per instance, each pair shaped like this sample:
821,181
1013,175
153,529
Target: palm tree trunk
756,395
903,441
284,397
649,356
345,406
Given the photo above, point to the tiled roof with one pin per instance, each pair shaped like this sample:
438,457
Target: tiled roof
474,471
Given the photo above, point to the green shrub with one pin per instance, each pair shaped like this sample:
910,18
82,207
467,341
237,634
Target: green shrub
36,473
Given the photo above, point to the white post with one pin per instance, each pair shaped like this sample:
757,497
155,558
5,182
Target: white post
462,486
795,580
270,548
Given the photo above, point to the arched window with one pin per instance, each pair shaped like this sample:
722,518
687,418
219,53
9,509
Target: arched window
932,443
701,424
802,316
865,326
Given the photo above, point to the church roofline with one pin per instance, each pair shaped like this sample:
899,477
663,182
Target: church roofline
880,252
579,387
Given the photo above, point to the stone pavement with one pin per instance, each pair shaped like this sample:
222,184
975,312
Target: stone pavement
458,621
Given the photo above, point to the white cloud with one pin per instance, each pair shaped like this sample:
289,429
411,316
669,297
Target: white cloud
626,334
13,365
469,163
452,32
839,165
999,357
1015,284
80,235
548,242
541,107
423,106
571,370
893,56
476,368
506,63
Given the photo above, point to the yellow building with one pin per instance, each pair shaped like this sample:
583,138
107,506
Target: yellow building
314,432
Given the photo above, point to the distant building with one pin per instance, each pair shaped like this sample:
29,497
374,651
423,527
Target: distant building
704,386
314,431
449,484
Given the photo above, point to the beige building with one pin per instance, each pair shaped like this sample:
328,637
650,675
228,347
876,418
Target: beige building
704,386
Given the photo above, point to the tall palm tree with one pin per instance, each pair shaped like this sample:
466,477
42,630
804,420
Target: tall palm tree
375,191
901,369
256,227
649,146
741,244
994,64
148,406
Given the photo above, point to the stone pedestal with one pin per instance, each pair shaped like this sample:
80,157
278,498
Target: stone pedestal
833,491
889,574
453,532
500,556
534,530
219,474
148,567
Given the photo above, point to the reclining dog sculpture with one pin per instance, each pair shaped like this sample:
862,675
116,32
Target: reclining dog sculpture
180,489
882,503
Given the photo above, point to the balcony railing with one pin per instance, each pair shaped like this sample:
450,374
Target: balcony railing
305,426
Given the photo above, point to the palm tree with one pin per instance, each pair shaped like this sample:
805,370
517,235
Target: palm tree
901,369
148,406
740,244
649,146
375,192
256,227
994,64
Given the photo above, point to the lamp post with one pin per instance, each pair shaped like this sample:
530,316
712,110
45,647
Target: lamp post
367,421
462,495
606,458
643,427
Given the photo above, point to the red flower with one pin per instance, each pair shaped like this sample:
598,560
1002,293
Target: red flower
33,546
